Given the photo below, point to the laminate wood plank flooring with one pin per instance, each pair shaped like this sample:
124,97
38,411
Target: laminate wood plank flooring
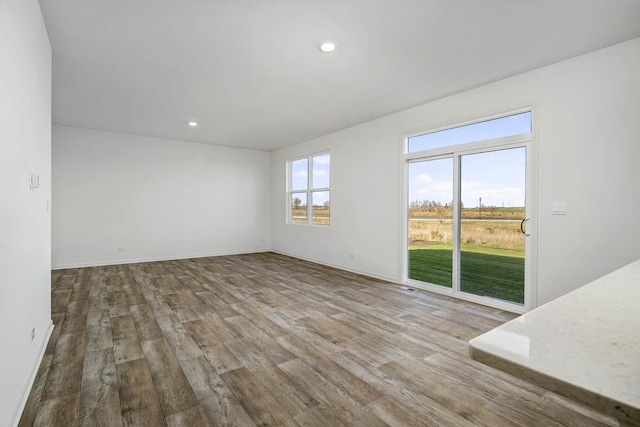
264,339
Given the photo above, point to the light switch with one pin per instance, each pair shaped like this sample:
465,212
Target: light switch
558,208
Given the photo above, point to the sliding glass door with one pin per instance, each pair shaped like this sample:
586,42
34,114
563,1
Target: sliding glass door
467,218
431,221
492,246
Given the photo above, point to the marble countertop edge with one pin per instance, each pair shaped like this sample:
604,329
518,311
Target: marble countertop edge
629,414
584,345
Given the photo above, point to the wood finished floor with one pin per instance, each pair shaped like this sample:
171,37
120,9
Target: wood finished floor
264,339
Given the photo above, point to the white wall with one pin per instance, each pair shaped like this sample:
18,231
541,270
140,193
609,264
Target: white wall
25,224
156,198
588,142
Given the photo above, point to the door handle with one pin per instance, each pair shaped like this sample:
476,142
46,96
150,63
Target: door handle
522,227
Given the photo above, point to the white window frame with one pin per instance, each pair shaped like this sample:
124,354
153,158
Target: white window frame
527,140
309,190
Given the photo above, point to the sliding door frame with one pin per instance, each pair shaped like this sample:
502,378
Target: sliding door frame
456,152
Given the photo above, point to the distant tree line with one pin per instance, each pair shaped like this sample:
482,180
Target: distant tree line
431,205
297,203
433,208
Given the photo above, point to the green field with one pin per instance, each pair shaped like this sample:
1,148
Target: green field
493,272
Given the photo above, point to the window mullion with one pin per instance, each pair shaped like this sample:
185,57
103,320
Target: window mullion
305,188
309,180
457,224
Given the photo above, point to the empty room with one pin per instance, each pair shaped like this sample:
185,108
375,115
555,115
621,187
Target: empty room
320,213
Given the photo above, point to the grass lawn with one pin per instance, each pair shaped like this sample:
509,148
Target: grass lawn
493,272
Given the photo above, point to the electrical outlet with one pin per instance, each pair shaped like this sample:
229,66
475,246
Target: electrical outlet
352,256
33,333
121,249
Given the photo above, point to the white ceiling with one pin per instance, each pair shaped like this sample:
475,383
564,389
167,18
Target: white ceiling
250,72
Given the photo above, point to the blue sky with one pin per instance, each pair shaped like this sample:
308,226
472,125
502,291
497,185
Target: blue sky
320,179
490,129
498,176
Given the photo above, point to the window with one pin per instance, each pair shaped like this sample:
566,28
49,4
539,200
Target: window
309,182
514,124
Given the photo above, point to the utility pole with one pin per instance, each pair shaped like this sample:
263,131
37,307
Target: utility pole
480,208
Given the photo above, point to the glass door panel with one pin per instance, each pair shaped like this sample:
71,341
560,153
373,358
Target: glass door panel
492,207
430,221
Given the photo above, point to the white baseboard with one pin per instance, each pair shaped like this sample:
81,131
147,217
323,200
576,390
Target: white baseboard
340,267
153,259
17,414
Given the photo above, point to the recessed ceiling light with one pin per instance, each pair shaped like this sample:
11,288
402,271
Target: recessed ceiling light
327,47
192,124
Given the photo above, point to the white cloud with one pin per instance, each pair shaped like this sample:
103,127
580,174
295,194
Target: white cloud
421,179
471,185
320,197
443,186
322,160
427,189
491,195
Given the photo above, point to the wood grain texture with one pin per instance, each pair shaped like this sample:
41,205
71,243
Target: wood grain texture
219,404
338,402
145,321
65,373
188,418
257,401
171,385
126,342
58,411
264,339
99,398
139,402
98,335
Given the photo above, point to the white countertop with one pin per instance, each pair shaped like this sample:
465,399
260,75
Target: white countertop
585,344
